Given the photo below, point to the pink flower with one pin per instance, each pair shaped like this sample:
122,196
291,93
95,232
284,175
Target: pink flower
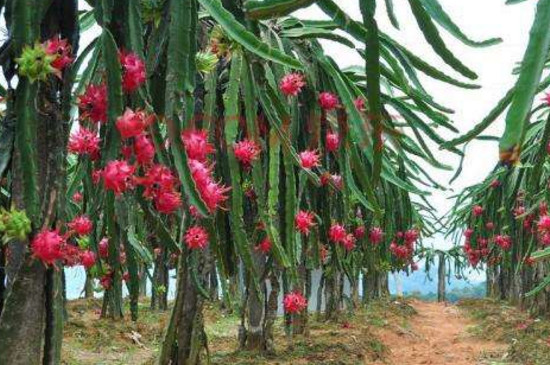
544,223
349,242
337,233
133,71
477,210
47,246
264,246
196,144
93,103
304,221
294,302
291,84
310,159
77,197
246,152
332,141
213,195
359,104
71,255
61,49
495,184
504,241
376,235
359,232
82,225
84,142
132,124
328,101
196,237
411,235
88,259
144,149
103,248
167,202
157,179
118,176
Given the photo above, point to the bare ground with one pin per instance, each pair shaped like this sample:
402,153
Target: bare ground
439,334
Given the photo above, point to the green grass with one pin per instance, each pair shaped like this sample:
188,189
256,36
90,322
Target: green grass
528,337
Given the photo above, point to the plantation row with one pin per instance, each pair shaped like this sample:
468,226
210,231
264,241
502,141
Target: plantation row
219,139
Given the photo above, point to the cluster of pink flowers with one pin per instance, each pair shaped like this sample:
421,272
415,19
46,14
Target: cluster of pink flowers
402,247
475,252
161,185
198,149
338,234
50,247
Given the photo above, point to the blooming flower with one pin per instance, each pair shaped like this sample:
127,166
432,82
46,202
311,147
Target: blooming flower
157,179
304,221
103,248
291,84
167,202
246,152
93,103
196,144
47,246
359,232
264,246
118,176
337,233
61,50
309,159
359,104
294,302
196,237
133,71
328,101
544,223
82,225
332,141
88,259
376,235
77,197
144,149
84,142
349,242
477,210
132,124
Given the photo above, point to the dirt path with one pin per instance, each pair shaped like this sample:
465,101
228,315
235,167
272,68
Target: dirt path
438,335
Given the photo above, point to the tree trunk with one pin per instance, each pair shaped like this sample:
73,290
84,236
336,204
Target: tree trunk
441,278
31,319
185,337
88,286
159,291
332,295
